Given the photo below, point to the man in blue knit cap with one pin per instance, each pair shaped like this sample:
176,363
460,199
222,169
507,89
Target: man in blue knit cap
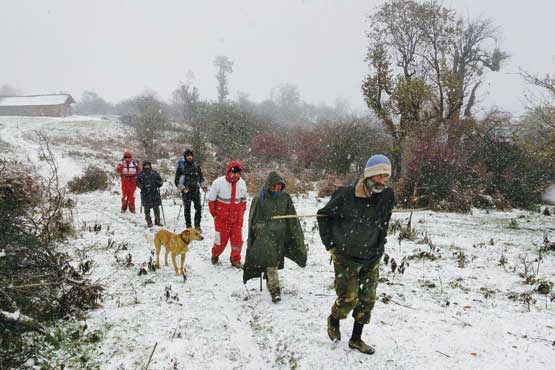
354,232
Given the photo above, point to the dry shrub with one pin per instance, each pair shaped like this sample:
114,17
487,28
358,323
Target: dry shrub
269,145
328,185
211,170
166,168
93,179
255,181
295,185
438,177
38,283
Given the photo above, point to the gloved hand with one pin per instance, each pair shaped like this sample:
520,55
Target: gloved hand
183,189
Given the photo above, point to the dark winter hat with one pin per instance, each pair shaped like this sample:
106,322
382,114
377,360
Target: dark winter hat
377,164
188,152
146,162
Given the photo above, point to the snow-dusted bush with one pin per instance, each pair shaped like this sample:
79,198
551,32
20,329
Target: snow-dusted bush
94,178
38,284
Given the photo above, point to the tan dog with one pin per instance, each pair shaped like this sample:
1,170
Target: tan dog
177,244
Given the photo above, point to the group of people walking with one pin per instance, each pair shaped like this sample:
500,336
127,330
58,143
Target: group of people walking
353,228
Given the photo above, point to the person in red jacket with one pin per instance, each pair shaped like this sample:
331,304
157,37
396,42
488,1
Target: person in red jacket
227,201
128,169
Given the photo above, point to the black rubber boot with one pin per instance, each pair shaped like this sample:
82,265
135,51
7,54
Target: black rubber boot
357,343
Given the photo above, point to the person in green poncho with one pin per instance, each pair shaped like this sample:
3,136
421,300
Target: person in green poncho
269,241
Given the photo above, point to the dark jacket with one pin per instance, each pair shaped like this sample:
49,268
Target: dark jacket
191,172
270,240
356,226
149,181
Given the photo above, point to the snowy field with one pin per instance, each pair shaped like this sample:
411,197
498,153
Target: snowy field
460,303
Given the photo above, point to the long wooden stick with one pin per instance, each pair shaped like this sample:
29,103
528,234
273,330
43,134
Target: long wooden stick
295,216
315,215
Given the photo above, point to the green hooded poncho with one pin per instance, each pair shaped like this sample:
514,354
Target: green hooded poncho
270,240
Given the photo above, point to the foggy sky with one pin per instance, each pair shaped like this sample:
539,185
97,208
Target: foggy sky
120,48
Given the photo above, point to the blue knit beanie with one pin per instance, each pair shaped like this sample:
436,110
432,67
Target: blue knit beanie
377,164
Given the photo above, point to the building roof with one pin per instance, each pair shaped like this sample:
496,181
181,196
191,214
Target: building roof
35,100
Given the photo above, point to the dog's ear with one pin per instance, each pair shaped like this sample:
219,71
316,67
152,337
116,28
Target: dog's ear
186,235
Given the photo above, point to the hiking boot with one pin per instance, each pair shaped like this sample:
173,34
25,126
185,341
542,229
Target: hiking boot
362,347
158,223
276,296
214,259
197,228
334,331
237,264
149,223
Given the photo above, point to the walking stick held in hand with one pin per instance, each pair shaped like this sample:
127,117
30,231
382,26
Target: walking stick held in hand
178,212
161,206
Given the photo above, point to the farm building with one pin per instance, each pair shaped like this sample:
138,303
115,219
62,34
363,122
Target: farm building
55,105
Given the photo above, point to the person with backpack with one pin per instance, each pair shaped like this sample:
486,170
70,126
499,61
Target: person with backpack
128,170
189,181
149,181
353,228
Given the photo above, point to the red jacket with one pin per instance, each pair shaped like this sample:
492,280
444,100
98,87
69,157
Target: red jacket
128,171
227,199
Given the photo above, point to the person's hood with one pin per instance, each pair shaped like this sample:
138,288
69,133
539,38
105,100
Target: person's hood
233,164
273,178
230,167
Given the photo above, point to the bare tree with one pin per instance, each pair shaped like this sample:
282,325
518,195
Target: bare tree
148,122
185,100
225,67
92,103
9,90
542,105
192,111
425,69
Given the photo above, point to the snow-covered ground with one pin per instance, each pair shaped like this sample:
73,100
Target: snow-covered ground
463,310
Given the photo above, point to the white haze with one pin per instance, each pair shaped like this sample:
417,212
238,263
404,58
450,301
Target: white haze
121,48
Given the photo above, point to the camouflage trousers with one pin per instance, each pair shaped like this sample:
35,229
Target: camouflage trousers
355,285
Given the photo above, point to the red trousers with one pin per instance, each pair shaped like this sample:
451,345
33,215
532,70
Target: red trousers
228,231
128,195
